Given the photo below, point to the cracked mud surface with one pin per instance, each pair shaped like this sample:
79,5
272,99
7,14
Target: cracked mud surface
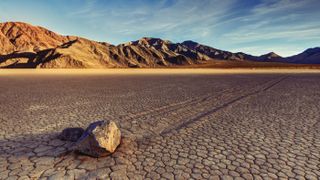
241,126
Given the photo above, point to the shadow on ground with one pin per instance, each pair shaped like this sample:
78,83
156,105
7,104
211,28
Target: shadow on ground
47,144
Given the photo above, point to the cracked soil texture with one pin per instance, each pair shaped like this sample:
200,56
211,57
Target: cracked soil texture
241,126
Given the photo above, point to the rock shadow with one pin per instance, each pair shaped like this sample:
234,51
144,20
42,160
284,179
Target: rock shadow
33,59
33,145
49,145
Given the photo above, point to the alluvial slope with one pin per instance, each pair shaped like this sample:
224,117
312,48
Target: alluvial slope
81,53
25,46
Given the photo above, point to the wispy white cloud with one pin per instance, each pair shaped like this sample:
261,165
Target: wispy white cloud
303,32
227,24
276,23
182,18
85,10
276,6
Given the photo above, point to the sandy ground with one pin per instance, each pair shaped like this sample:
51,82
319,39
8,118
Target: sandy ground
154,71
177,124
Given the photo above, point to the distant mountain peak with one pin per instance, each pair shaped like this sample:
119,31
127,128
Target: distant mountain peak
150,41
190,43
272,55
312,50
154,40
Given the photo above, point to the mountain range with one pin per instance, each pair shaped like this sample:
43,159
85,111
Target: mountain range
26,46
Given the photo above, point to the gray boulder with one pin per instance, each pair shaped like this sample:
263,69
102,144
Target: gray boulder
101,138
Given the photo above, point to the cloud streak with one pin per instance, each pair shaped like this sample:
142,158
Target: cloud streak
167,20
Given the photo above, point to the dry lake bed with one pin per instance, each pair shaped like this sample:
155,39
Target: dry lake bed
176,124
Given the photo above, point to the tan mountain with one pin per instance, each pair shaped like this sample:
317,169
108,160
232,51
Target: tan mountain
26,46
20,36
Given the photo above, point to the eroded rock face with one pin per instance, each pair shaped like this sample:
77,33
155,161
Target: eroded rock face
71,134
101,138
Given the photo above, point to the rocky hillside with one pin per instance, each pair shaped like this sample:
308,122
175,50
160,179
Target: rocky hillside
25,46
226,55
17,36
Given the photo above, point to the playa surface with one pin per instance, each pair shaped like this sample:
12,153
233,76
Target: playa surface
176,124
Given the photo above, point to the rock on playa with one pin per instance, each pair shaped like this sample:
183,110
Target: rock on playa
101,138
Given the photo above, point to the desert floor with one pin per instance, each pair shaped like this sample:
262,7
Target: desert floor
176,124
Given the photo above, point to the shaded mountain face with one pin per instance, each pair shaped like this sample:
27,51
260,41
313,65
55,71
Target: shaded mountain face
309,56
25,46
211,52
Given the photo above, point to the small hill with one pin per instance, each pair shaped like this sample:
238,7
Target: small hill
269,57
309,56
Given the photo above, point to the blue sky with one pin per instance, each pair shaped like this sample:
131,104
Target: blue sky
286,27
